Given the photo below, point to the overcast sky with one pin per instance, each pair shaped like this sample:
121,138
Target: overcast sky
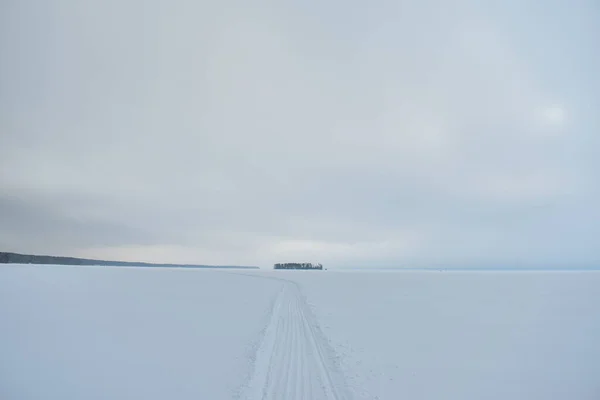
352,133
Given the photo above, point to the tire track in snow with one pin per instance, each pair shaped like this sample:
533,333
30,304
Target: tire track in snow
293,361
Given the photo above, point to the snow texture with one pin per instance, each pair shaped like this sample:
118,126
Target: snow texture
294,361
73,333
120,333
462,335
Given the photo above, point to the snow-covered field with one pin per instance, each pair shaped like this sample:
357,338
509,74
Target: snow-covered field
92,333
123,333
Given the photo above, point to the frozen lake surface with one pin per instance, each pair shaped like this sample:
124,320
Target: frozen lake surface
110,332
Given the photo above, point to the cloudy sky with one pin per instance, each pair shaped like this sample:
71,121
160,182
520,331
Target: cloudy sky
352,133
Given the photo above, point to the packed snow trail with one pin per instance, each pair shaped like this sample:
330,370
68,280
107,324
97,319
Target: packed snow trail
293,361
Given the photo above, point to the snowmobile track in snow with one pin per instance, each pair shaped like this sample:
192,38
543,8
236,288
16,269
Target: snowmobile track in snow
293,361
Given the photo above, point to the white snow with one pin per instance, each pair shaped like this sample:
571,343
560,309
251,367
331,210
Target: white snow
294,361
73,333
462,335
121,333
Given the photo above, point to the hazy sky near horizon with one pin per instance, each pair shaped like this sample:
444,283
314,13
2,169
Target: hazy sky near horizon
383,133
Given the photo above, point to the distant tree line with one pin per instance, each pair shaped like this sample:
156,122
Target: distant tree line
15,258
297,266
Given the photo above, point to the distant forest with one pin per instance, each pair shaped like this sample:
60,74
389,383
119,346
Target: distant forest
15,258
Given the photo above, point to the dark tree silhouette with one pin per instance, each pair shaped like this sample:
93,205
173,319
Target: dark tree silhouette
15,258
297,266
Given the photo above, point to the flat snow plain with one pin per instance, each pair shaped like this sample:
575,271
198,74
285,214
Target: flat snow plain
120,333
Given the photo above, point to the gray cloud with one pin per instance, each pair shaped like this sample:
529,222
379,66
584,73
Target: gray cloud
52,225
215,132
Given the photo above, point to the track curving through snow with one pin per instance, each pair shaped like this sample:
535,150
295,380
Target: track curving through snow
294,361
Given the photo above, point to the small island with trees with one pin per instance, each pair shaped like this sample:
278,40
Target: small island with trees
297,266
